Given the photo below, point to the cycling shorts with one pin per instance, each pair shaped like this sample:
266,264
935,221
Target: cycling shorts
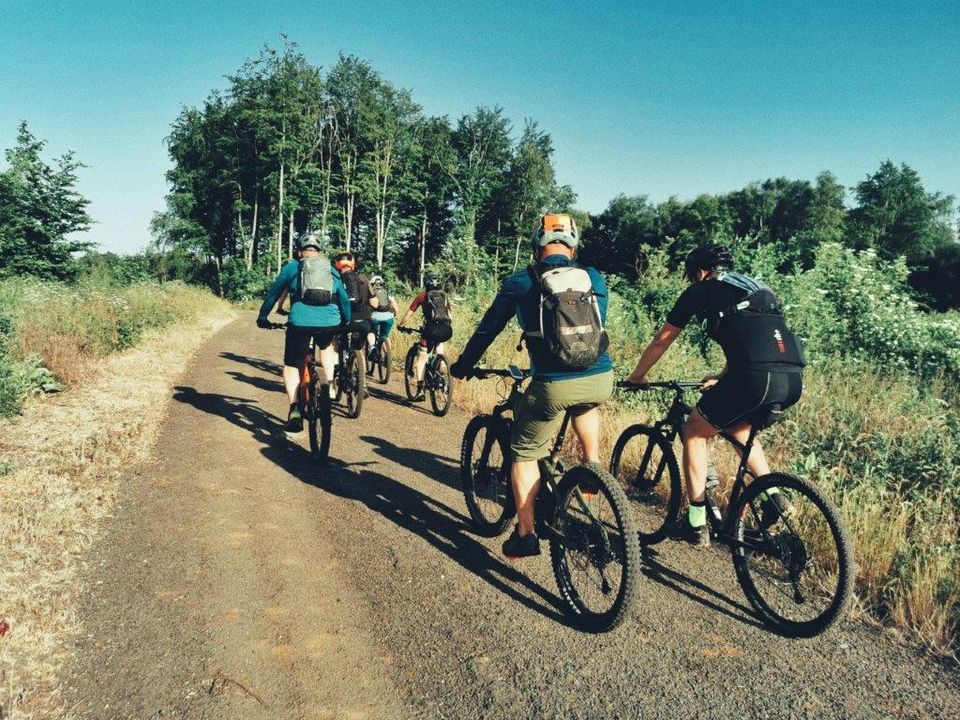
382,326
434,333
740,393
298,342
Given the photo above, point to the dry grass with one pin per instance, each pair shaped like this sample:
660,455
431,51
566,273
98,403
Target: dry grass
62,462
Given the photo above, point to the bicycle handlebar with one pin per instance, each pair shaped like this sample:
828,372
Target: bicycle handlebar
407,330
484,373
677,385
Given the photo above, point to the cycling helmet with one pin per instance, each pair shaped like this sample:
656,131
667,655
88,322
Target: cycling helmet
556,228
709,256
431,282
309,240
345,260
376,280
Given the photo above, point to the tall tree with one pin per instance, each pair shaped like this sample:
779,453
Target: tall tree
39,208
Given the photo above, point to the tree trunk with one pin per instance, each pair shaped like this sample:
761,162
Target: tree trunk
253,230
423,246
290,238
280,223
516,254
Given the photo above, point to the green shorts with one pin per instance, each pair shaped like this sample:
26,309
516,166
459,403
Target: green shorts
543,405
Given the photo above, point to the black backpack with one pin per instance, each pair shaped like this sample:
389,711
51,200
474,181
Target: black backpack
353,284
570,324
436,308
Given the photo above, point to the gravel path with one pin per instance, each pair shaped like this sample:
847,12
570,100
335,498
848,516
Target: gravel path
239,580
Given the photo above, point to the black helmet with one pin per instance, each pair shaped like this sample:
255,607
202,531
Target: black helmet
709,256
309,240
431,282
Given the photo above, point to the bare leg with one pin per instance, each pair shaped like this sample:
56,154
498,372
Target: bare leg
587,428
757,462
421,363
695,434
328,359
525,476
291,381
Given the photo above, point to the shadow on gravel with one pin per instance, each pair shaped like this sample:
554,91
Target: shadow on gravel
263,365
242,412
444,470
689,588
441,527
381,392
257,382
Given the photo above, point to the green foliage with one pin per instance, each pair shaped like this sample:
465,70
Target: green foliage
39,209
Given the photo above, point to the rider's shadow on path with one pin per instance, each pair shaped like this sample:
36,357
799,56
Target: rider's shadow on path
430,465
382,392
256,381
441,527
239,411
260,364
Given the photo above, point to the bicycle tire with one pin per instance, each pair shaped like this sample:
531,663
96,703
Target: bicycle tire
319,424
408,379
383,366
595,538
785,543
482,490
654,514
355,385
441,397
338,377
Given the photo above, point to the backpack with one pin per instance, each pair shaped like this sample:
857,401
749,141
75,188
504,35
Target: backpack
570,322
753,331
316,281
353,284
436,307
383,300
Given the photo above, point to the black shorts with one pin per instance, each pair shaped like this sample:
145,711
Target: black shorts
738,394
435,333
298,342
358,329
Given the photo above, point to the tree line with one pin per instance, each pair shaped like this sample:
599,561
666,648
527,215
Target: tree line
288,146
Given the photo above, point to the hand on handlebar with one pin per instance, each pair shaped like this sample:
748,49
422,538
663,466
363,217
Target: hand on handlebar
708,382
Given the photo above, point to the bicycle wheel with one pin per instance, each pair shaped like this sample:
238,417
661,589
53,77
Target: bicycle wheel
354,382
597,564
409,381
796,568
320,421
371,360
645,466
441,386
485,472
383,364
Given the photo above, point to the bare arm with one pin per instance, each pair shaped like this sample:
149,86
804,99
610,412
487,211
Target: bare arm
653,352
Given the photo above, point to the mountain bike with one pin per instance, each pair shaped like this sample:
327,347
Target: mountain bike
313,396
582,512
378,359
436,375
349,379
795,566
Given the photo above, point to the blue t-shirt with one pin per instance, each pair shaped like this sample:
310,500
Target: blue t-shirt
335,313
517,296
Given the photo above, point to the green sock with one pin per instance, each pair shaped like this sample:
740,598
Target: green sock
697,514
765,495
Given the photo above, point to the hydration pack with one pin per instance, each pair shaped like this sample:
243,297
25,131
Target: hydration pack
316,281
753,331
570,322
353,284
383,300
436,307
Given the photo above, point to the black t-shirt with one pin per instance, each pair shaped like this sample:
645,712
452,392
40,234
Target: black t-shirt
707,299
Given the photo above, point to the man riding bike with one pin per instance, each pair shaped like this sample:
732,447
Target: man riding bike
319,307
437,324
569,362
764,363
384,313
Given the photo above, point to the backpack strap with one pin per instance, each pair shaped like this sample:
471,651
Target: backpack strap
535,278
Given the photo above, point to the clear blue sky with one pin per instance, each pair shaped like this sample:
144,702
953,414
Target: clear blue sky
640,98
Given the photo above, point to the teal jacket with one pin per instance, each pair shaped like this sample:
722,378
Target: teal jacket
335,313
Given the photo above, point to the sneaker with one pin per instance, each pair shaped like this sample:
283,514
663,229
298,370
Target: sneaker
294,420
697,536
773,508
421,395
517,547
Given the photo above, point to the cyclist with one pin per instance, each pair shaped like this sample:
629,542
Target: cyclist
319,308
437,324
384,312
764,363
358,290
560,380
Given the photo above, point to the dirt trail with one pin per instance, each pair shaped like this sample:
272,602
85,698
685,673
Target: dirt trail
238,580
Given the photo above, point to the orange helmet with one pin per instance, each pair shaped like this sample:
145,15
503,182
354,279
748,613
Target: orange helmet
556,228
345,261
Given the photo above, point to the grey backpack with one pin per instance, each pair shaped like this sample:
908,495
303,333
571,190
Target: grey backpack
570,322
316,281
383,300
